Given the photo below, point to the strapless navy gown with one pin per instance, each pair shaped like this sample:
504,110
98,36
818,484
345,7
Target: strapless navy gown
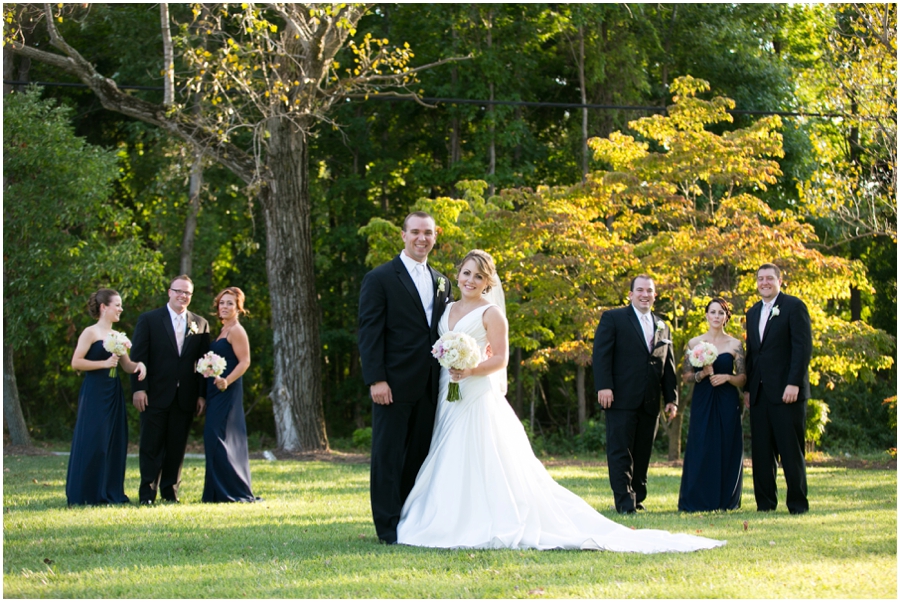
225,436
96,472
713,477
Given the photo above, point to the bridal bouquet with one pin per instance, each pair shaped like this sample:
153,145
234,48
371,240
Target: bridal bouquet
211,365
459,351
117,344
703,354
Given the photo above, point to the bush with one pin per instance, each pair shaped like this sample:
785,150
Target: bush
362,438
860,421
816,419
593,439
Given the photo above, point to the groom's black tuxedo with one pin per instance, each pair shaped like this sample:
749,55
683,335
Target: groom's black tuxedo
395,342
623,362
780,359
172,386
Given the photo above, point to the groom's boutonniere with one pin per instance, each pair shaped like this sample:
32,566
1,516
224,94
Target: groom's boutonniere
442,285
194,328
775,312
660,326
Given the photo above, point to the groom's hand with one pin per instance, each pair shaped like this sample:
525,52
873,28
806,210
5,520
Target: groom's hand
381,393
139,399
605,398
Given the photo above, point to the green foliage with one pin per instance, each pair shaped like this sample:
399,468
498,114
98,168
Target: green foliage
859,417
362,438
816,419
62,238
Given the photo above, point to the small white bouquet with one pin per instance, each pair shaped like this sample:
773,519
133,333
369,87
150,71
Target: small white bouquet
211,365
459,351
117,344
703,354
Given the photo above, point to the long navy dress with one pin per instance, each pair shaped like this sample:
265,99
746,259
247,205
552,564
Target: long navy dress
713,477
225,436
96,472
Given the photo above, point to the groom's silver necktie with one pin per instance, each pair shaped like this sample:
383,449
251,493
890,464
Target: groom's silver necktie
648,330
179,332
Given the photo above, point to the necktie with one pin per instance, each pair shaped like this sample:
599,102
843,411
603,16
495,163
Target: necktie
648,331
763,319
179,332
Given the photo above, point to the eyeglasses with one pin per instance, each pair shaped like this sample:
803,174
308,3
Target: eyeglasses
179,293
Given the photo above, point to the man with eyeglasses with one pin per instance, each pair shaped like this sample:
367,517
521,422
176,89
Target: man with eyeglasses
169,341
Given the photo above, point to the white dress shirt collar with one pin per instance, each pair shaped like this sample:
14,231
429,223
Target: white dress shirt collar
411,264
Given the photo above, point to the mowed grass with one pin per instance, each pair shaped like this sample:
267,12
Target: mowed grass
312,537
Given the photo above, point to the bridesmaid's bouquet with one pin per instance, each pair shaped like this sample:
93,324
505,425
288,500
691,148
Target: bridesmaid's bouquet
117,344
211,365
459,351
703,354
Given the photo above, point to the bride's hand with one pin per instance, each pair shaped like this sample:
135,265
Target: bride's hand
458,375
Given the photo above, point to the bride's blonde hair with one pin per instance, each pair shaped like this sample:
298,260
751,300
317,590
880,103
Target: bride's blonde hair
485,265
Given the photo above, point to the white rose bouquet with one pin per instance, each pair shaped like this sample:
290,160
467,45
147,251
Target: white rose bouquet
459,351
117,344
703,354
211,365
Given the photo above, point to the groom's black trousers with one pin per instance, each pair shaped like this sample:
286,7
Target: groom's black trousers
401,437
164,435
629,445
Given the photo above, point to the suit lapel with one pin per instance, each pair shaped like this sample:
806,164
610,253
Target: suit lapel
753,322
632,317
167,326
409,285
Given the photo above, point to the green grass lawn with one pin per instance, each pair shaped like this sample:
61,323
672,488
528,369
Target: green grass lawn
312,537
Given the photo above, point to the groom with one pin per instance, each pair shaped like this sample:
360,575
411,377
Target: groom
779,348
634,364
400,304
169,341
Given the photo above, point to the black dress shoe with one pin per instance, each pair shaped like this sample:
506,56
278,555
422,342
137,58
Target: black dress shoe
799,511
387,542
145,503
627,511
171,500
639,506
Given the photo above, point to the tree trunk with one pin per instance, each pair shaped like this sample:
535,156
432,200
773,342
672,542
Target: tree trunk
297,387
582,82
190,222
168,58
519,398
12,408
582,398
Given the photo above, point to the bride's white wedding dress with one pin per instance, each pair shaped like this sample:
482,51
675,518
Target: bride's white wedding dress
481,485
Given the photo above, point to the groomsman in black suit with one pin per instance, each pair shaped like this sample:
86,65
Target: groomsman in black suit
779,347
169,341
634,363
400,304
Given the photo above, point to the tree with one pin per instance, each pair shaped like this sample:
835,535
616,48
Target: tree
61,237
265,77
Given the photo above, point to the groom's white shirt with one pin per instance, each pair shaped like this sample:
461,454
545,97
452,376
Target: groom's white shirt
423,285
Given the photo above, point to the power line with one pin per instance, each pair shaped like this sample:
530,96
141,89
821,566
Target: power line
472,101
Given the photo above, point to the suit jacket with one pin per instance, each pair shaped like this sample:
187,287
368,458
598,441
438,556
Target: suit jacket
394,336
622,362
170,377
782,357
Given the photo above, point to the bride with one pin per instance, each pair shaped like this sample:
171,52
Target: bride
481,485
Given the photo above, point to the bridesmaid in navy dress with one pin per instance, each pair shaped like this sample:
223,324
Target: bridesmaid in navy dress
96,472
712,477
225,433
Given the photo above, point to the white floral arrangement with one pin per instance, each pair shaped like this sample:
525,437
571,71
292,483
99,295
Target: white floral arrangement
660,326
194,328
775,312
117,344
211,365
458,351
704,354
442,285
